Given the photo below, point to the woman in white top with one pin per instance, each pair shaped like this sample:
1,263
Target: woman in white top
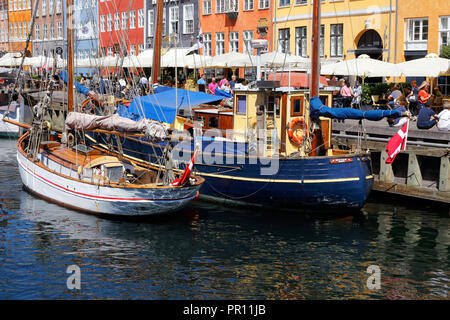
444,118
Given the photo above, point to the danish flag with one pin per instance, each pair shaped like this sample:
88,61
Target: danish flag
187,172
397,143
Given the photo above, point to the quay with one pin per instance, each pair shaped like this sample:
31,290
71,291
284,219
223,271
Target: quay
421,171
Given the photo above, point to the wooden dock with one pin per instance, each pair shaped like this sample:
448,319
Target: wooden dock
421,171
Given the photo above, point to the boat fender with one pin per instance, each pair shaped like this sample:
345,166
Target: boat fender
294,136
70,139
80,171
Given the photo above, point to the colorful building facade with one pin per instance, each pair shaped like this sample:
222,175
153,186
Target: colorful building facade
231,25
180,18
4,27
349,28
19,19
49,27
87,33
121,27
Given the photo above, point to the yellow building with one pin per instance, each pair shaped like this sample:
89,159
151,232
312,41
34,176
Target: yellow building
349,28
422,29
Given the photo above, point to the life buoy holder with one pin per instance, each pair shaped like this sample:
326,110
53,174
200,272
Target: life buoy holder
295,136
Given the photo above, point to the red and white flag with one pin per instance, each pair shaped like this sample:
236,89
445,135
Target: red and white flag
187,172
397,143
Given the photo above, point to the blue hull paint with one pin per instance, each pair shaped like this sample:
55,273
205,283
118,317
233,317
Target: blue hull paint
318,183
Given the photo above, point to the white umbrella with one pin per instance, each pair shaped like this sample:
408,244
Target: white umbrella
9,60
87,63
431,66
276,58
363,66
230,60
136,62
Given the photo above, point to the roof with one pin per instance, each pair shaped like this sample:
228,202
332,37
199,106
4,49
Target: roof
163,104
108,161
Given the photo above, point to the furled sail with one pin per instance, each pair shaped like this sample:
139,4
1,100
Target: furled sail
317,109
153,130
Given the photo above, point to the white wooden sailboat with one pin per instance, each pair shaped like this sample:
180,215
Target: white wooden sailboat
66,169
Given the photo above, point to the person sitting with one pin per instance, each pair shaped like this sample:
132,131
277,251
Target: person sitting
423,96
395,93
427,118
444,118
437,97
400,105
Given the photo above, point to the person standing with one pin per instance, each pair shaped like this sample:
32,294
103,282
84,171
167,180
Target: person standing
232,82
201,83
412,97
357,93
347,94
213,86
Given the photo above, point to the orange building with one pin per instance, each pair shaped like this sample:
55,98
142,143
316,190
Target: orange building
230,25
19,14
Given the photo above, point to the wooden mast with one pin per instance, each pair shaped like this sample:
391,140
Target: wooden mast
70,42
315,62
156,71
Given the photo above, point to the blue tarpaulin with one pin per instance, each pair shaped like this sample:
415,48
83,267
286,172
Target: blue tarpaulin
163,106
225,94
317,109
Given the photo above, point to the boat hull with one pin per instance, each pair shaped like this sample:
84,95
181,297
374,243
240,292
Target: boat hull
101,199
321,183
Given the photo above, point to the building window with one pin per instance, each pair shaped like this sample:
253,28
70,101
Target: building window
141,21
248,37
188,19
220,6
206,7
116,21
248,5
283,40
296,106
110,51
102,23
58,6
132,50
132,19
300,41
109,22
150,23
234,41
52,31
50,7
301,1
220,43
173,20
241,104
336,40
124,20
60,30
444,32
207,44
284,3
417,30
37,35
103,52
141,48
44,31
164,23
44,7
322,41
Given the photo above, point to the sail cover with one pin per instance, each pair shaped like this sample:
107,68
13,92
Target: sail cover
81,121
317,109
163,105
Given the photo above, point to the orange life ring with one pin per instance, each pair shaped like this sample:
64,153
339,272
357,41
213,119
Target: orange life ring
297,137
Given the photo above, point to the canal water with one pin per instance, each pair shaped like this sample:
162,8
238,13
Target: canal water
213,252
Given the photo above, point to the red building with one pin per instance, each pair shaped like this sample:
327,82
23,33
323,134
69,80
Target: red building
121,27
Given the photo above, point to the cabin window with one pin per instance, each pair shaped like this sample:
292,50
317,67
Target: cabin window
324,100
241,104
213,122
114,174
296,106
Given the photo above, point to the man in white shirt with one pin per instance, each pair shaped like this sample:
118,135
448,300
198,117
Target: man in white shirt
444,118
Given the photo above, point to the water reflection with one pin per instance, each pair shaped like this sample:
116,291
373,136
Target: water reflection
214,252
